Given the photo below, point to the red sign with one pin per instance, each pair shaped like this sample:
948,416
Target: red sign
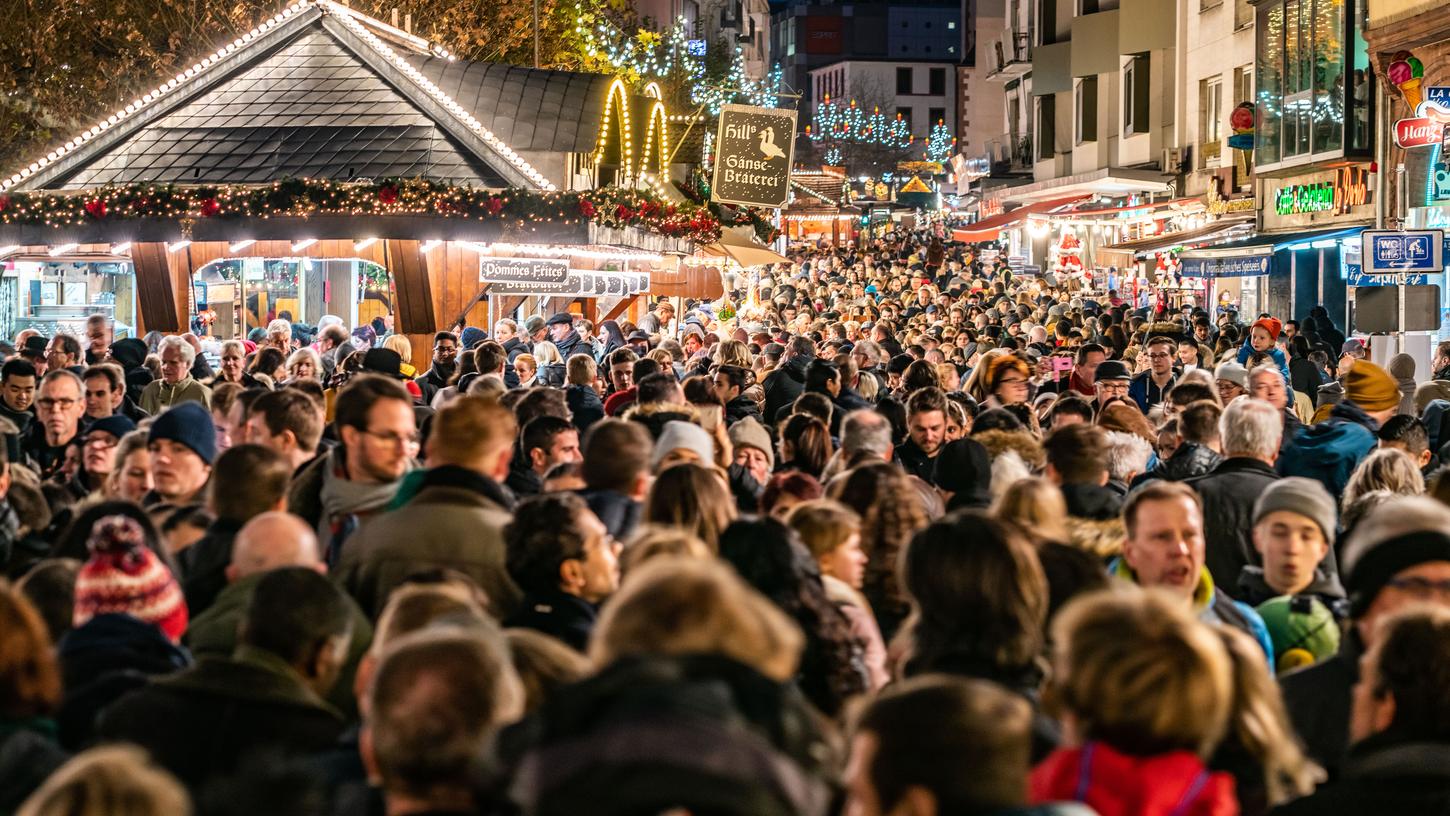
1420,131
823,35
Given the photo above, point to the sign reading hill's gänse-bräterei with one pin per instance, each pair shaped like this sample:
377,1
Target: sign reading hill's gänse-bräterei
754,148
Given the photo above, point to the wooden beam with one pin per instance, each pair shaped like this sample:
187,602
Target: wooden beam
619,308
155,289
409,267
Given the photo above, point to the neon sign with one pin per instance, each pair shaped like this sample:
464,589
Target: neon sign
1349,189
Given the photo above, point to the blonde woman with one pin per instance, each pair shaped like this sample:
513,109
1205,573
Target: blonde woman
400,344
304,364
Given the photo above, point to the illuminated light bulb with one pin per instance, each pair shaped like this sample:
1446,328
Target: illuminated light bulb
303,244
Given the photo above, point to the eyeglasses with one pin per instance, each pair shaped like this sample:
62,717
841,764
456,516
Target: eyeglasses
1011,381
53,402
1159,355
391,438
1421,588
446,349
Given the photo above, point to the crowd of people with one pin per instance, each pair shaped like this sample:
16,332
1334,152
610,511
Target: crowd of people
888,529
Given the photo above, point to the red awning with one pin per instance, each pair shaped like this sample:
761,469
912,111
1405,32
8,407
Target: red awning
988,228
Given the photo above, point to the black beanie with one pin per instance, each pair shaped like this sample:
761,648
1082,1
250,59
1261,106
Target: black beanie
1376,566
965,469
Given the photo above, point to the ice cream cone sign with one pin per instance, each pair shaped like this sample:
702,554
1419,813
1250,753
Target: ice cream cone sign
1407,73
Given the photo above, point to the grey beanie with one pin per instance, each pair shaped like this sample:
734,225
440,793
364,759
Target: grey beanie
1234,373
1307,497
749,433
678,434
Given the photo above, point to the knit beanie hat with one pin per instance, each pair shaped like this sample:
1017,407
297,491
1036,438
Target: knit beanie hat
965,468
124,576
1301,495
679,434
749,433
129,352
188,424
1302,629
1373,567
1231,371
1270,325
472,336
1371,387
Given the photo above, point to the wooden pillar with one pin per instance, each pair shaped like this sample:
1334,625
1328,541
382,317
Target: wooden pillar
156,290
414,311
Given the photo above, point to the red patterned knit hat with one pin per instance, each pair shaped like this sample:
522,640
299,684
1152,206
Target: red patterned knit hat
123,575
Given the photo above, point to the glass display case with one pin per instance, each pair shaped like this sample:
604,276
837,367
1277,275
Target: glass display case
58,296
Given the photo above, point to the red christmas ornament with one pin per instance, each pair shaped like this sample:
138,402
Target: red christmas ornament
495,205
96,208
210,207
388,194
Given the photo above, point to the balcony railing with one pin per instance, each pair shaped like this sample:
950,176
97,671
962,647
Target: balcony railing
1010,56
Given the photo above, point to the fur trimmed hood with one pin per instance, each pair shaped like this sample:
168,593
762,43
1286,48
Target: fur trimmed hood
1023,443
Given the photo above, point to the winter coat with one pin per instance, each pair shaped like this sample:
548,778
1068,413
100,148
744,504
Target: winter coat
655,415
213,633
740,408
616,511
1146,393
700,733
785,383
1093,521
1247,350
568,618
1319,699
585,407
1428,391
456,521
514,347
1330,451
1253,590
1304,378
1229,492
1190,460
1214,606
915,462
203,722
160,395
204,565
1383,775
573,344
29,754
1118,784
104,659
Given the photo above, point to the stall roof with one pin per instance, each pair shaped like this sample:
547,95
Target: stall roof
1143,247
988,228
1268,244
323,91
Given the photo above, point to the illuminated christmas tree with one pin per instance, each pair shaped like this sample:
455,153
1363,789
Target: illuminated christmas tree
940,144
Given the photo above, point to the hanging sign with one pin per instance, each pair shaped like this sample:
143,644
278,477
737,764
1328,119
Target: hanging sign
1409,251
754,148
1241,121
522,270
579,283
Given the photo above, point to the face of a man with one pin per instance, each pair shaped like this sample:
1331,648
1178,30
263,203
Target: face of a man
384,448
1269,387
558,331
928,430
1160,359
565,448
59,408
622,375
1291,546
99,453
753,460
445,353
724,389
98,335
1108,389
176,471
101,401
1423,583
1087,370
56,355
600,567
1165,548
19,392
173,365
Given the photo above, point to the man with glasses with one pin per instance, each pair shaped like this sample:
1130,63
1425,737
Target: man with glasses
63,351
98,454
445,362
58,412
358,478
457,517
1110,381
1151,386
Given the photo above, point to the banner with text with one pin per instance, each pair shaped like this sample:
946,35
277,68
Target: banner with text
522,270
754,148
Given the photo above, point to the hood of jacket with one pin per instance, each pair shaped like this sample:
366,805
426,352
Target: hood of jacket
1254,590
1023,443
1089,501
1117,784
654,415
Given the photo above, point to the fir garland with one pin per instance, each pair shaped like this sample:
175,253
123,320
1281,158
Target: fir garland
610,207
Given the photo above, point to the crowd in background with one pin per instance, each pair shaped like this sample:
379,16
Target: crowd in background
887,529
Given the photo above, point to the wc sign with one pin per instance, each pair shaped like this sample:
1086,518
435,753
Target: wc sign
1392,251
753,152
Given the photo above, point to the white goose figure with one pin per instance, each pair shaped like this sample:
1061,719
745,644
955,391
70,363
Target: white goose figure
767,145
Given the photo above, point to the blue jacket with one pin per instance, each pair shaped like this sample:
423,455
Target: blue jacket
1247,350
1330,450
1145,392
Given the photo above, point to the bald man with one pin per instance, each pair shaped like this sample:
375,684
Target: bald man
271,541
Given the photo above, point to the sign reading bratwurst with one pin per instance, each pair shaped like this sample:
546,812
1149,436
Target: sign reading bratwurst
753,152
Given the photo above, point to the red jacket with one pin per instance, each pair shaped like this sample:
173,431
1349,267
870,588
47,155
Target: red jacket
620,400
1116,784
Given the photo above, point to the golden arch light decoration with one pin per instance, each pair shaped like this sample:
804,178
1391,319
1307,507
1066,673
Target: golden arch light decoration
655,156
616,105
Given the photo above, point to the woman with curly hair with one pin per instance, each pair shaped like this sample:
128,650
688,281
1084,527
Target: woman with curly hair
884,497
770,557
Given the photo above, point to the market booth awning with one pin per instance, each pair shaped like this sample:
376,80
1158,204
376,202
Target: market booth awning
1254,256
1125,253
324,133
739,247
989,228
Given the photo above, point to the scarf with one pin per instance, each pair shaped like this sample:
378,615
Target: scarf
346,503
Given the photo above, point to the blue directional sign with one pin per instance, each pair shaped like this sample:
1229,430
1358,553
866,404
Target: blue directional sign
1389,251
1355,276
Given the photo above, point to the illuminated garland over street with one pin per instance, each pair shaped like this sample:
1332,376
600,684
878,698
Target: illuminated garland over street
940,143
850,123
610,207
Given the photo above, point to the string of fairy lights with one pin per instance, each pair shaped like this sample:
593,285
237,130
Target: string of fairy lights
850,123
518,210
940,144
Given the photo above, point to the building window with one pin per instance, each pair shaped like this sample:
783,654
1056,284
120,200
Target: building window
938,82
903,80
1243,14
1308,78
1046,127
1210,109
1085,110
1135,95
790,37
1047,21
935,116
1243,84
1087,7
951,25
904,114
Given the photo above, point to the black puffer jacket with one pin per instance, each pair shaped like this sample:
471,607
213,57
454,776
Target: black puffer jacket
784,384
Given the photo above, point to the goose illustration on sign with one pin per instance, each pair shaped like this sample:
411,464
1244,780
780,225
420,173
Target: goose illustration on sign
754,148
